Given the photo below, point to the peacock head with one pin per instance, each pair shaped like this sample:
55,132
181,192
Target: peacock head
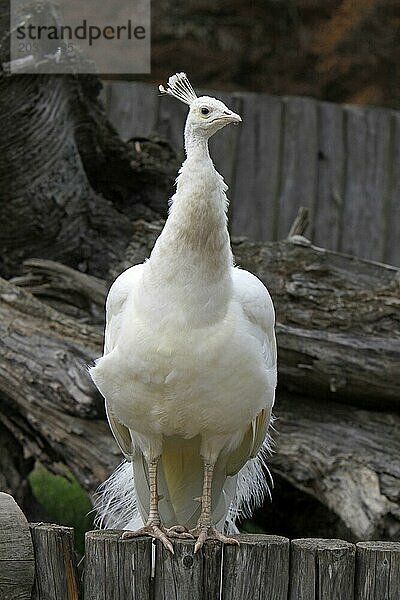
206,115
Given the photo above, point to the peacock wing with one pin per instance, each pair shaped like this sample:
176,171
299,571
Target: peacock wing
121,434
251,443
258,309
116,304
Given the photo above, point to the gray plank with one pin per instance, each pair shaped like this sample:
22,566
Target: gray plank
187,575
55,558
298,173
104,95
367,148
17,566
322,569
378,571
257,168
330,176
258,569
170,122
117,569
392,237
132,108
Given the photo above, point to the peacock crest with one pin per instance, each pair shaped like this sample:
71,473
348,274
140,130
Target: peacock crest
179,87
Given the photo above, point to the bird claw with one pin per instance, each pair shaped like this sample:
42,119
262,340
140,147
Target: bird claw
207,532
161,533
179,531
156,531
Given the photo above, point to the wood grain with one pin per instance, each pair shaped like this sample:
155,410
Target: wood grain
330,178
322,569
116,569
188,575
257,167
378,571
258,569
339,161
132,108
298,169
392,234
17,566
56,564
367,157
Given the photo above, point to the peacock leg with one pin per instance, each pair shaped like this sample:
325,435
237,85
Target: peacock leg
204,529
153,525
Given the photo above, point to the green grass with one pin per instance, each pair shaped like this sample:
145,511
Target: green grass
64,500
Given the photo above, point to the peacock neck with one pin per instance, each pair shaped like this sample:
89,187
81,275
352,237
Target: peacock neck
192,257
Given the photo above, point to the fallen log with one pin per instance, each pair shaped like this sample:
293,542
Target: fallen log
346,457
338,317
47,401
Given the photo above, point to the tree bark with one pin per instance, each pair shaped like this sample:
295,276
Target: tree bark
69,186
47,401
347,458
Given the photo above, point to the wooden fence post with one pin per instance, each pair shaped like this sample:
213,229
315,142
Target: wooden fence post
55,560
377,571
258,568
187,575
117,569
17,565
322,569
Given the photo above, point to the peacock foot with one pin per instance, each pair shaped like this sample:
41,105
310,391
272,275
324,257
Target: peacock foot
207,532
158,532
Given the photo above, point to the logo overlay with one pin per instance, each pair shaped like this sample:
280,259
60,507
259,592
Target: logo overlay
80,36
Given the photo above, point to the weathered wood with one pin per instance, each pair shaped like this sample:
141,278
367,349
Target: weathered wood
66,289
367,158
322,569
257,167
17,565
377,571
117,569
47,398
330,180
171,122
188,575
339,161
263,566
301,222
335,453
258,568
392,234
132,108
56,576
333,313
50,209
298,171
338,317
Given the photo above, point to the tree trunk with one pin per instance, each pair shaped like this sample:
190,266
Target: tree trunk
69,186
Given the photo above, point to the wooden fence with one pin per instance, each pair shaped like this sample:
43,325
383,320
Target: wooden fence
342,162
38,562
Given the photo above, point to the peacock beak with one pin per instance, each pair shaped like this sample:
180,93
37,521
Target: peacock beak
235,118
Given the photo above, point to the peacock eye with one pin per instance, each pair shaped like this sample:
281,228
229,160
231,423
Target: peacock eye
205,110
